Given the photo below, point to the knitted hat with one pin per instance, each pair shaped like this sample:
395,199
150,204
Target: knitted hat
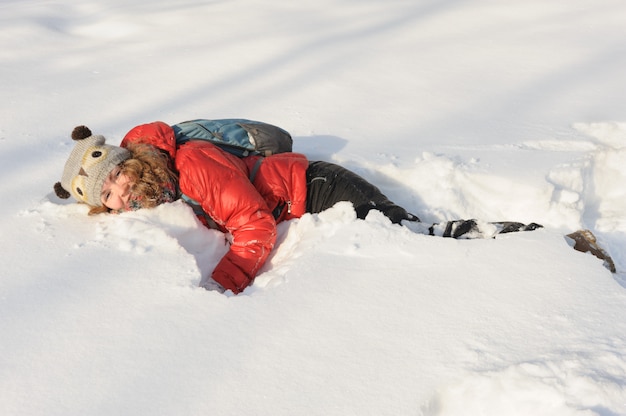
88,166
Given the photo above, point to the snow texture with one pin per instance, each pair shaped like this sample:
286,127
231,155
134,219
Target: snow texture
495,110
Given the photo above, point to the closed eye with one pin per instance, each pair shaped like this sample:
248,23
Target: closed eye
114,174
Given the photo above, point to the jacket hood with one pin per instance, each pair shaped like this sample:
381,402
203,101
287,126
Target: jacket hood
157,133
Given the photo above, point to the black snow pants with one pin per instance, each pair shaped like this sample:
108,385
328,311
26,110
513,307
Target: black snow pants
328,184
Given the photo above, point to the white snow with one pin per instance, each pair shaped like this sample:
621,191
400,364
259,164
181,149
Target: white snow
496,110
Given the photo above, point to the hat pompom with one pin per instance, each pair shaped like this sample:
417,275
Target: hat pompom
60,191
80,133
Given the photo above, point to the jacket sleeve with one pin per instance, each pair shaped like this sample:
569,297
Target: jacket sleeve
221,185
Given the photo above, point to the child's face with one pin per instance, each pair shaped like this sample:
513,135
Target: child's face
116,190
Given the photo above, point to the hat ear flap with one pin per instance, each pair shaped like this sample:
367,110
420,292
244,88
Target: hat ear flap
60,191
80,133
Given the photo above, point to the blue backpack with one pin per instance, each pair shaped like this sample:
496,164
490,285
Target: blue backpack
239,137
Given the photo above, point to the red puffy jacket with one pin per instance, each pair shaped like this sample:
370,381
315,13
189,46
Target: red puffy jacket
220,182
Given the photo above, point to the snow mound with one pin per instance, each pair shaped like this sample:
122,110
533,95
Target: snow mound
564,386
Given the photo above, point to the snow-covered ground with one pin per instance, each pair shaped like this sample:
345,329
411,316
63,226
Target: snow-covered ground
497,110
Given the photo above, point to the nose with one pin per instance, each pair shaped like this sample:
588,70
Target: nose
120,188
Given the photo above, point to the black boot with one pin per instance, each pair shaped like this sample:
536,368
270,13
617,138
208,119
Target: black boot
511,227
467,229
458,229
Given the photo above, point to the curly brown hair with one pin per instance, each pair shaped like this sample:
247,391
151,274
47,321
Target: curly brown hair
148,169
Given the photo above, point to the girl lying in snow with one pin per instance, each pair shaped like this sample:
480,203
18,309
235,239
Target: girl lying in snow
150,168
